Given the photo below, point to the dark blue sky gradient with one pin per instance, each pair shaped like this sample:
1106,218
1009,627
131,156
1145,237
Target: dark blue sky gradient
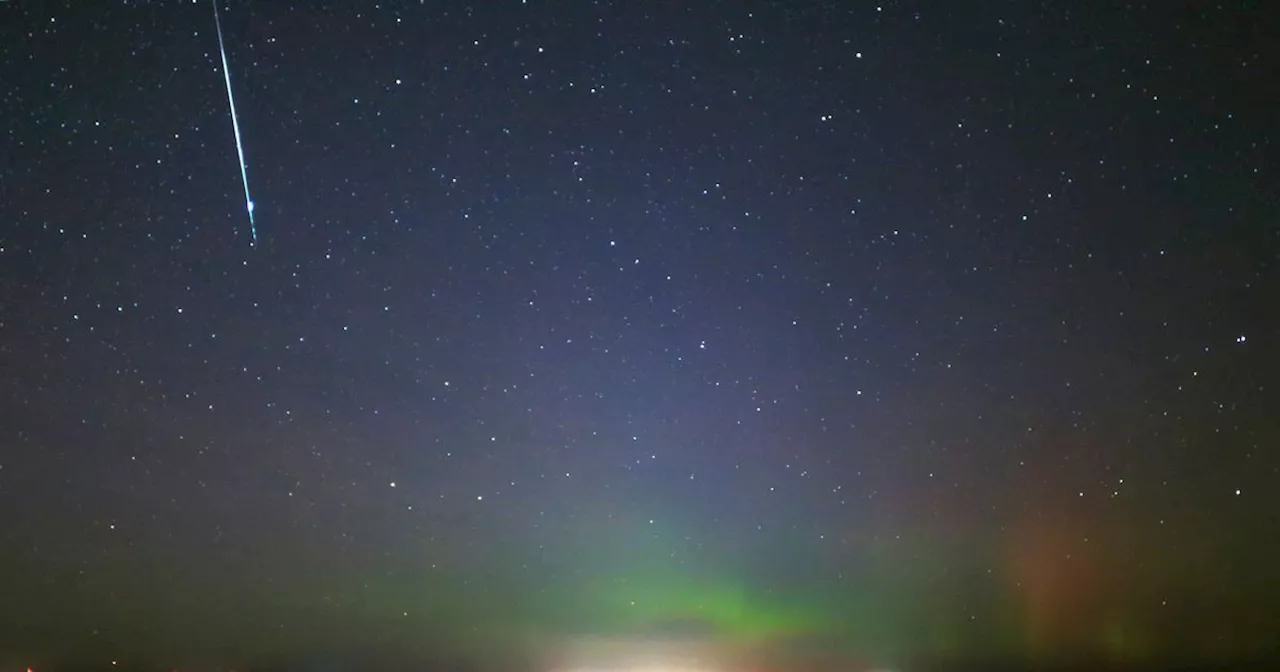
948,326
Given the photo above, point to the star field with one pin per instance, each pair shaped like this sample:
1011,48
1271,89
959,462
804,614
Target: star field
944,331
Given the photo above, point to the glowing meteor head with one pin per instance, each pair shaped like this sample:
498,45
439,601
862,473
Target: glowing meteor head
250,206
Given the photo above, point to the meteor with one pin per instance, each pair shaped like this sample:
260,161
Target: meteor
235,125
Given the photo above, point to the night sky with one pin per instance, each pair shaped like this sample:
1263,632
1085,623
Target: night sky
921,331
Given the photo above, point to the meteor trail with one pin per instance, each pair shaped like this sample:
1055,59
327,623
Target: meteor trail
235,125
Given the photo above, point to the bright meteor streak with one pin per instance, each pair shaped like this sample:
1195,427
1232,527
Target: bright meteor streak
235,125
